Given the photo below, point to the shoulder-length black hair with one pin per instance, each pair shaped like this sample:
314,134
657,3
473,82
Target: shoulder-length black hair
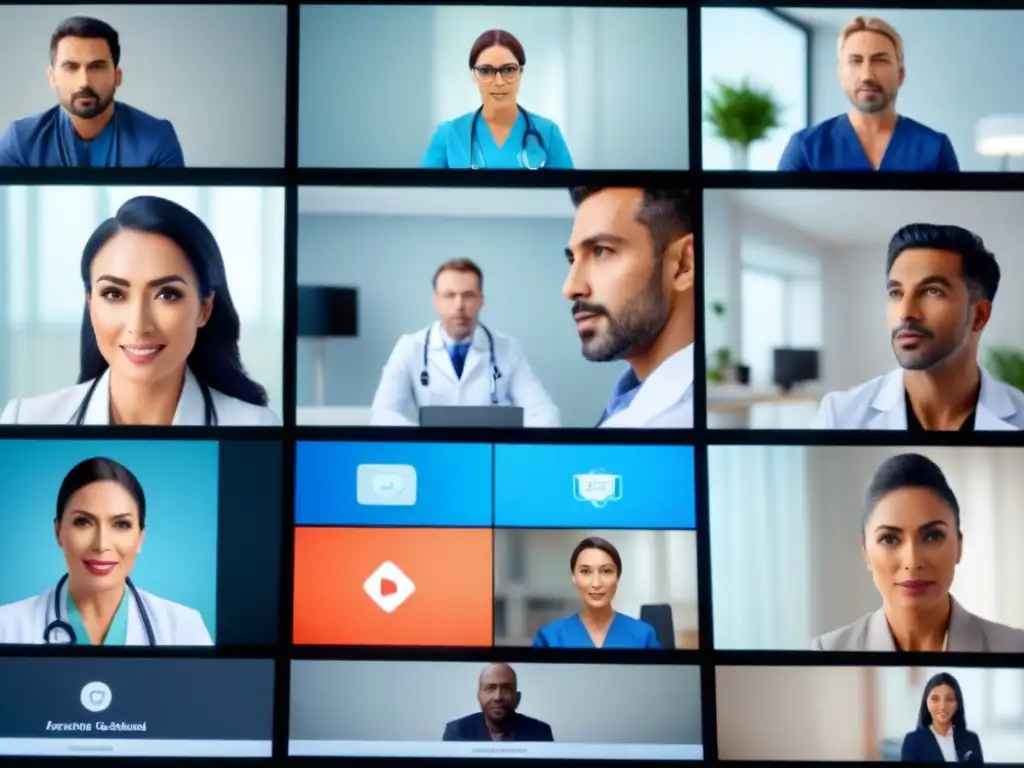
96,470
215,360
924,717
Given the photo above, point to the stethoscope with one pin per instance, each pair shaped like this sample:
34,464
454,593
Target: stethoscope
112,150
523,157
59,625
495,371
210,411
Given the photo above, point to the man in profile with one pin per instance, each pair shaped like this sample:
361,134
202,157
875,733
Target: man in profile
871,135
499,697
941,285
88,128
631,280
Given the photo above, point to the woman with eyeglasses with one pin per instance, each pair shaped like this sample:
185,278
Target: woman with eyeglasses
500,134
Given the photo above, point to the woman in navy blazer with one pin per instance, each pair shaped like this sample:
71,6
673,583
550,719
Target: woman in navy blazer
942,735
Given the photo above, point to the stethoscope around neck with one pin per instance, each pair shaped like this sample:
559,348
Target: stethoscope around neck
60,625
523,157
210,411
495,371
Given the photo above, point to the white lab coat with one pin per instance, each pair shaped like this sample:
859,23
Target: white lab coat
60,407
24,622
665,401
881,404
400,394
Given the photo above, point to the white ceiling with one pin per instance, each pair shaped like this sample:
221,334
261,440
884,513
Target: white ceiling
855,217
433,201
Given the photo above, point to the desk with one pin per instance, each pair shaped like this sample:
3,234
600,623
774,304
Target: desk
731,404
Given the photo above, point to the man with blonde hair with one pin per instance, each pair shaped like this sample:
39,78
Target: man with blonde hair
871,136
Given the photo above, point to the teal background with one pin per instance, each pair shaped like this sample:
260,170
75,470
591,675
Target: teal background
179,555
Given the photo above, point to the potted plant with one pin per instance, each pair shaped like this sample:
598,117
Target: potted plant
1007,365
721,363
740,115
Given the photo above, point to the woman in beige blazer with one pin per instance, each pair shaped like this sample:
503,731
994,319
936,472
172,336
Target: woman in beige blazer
912,543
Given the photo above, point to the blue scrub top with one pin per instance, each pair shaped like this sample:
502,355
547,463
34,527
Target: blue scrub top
450,145
116,635
132,139
833,146
625,632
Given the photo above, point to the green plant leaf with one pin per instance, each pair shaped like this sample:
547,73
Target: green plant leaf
742,114
1007,365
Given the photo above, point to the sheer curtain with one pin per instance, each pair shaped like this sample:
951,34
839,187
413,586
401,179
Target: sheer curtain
44,295
759,546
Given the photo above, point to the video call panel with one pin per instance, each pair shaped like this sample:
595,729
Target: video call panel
347,709
889,714
382,541
868,548
85,317
187,534
435,319
496,87
841,75
136,707
898,271
144,106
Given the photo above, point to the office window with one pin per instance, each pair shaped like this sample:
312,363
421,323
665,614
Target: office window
738,43
763,326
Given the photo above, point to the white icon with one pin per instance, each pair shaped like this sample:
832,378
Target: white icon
388,587
386,485
597,488
96,697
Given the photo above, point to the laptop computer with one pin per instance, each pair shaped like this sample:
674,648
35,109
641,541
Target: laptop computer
461,416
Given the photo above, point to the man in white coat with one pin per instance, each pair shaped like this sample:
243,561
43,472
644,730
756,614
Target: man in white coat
941,285
631,280
458,360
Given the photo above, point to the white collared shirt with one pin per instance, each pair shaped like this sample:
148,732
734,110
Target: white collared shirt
947,744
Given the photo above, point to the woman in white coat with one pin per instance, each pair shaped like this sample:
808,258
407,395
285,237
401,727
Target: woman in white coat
100,526
159,342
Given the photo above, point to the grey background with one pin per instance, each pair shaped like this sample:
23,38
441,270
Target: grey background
413,700
391,260
200,699
217,72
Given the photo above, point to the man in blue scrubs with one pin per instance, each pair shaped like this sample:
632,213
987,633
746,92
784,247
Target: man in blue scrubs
88,128
871,136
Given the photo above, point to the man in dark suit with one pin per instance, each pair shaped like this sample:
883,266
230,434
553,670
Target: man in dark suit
497,720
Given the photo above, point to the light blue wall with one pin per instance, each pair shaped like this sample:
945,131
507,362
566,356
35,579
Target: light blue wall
376,80
961,66
391,260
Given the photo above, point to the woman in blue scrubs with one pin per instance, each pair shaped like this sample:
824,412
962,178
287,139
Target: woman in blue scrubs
596,570
500,134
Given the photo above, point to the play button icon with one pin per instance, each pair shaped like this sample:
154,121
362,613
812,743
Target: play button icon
388,587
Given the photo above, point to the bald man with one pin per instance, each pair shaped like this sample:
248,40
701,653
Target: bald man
497,720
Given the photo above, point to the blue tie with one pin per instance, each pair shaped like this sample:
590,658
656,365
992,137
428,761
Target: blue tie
458,354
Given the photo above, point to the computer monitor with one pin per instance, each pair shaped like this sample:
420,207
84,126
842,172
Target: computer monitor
794,366
461,416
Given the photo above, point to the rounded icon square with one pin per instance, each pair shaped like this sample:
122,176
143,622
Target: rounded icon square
393,586
96,696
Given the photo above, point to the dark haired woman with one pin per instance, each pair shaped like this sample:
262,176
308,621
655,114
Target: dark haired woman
159,332
941,735
499,134
596,568
100,525
911,542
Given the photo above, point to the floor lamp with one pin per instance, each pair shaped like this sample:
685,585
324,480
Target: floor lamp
325,313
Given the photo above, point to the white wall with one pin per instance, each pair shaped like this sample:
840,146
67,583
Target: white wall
202,67
811,577
961,66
